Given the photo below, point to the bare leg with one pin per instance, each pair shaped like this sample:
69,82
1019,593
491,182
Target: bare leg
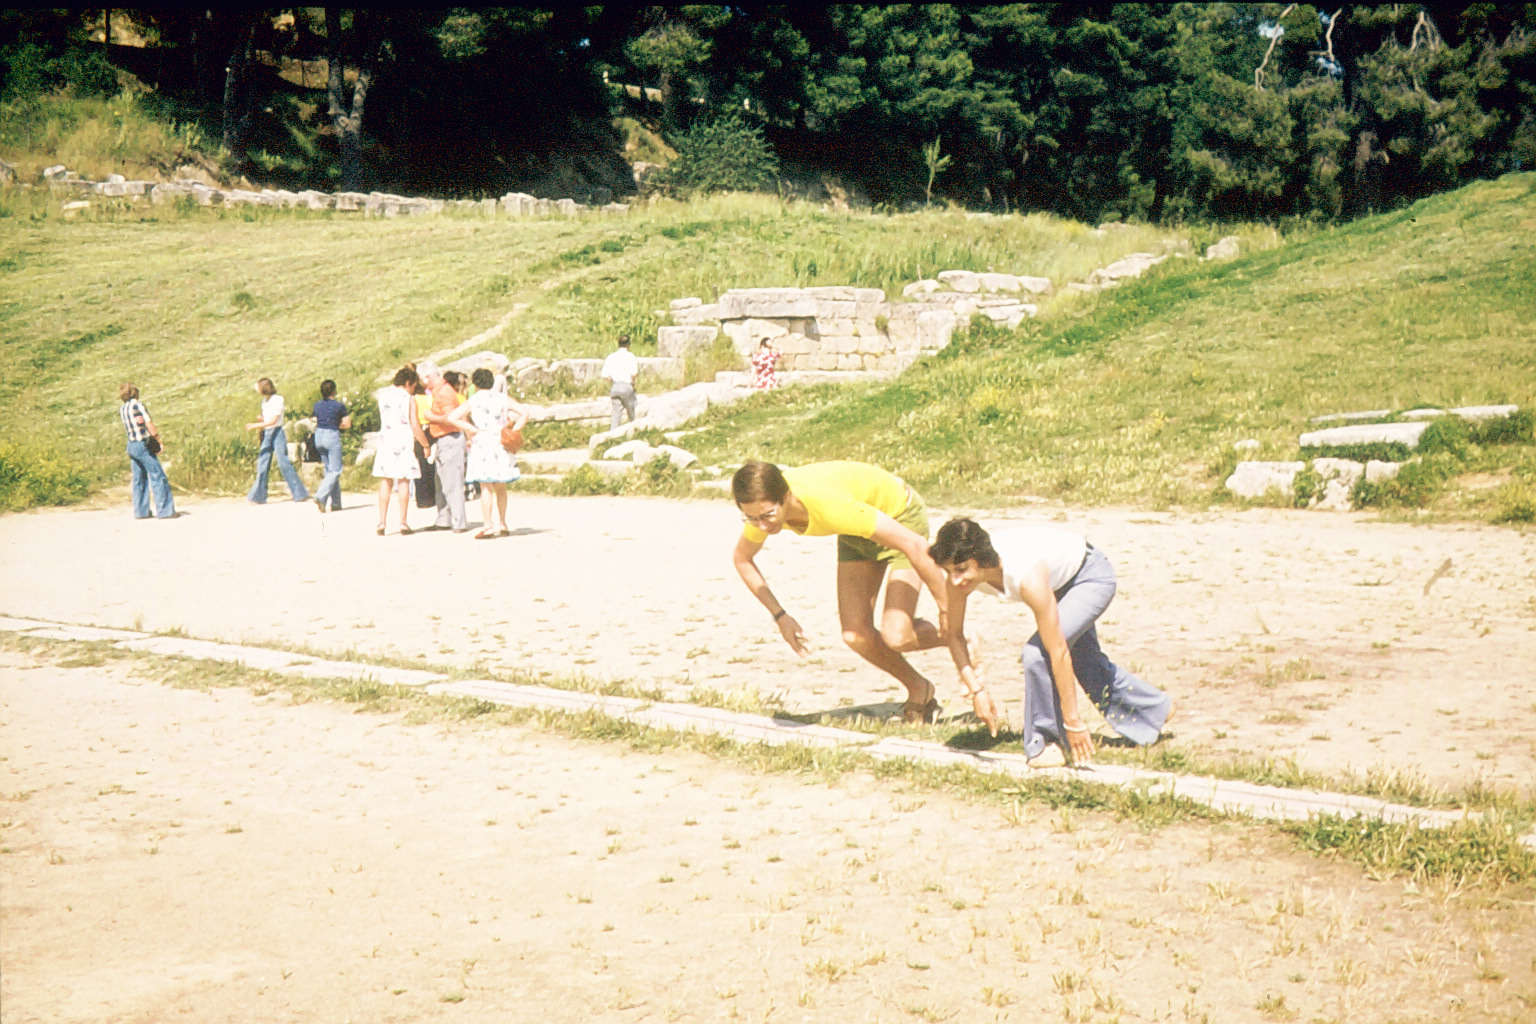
385,487
501,504
899,627
487,506
404,487
858,585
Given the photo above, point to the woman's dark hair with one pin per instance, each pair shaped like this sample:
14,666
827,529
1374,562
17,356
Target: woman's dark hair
127,393
405,377
266,387
327,389
960,540
483,379
759,481
454,379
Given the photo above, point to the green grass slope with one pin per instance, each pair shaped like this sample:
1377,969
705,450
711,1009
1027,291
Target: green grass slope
194,304
1139,396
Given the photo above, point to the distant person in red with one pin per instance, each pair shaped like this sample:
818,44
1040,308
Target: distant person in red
765,366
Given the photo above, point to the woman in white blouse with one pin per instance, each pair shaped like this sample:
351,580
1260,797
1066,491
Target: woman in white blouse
1067,583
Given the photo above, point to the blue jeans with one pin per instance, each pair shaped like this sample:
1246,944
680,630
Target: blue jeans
149,479
1132,706
329,443
275,443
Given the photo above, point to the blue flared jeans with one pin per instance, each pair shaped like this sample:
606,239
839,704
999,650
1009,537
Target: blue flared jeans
149,480
274,444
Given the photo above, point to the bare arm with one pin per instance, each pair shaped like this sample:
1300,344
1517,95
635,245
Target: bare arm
891,534
1035,589
746,567
519,413
459,419
975,686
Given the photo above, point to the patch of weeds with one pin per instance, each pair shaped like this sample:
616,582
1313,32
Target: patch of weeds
1307,486
1515,502
586,480
33,475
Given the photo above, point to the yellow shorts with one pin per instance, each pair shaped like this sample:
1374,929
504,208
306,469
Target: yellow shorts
861,549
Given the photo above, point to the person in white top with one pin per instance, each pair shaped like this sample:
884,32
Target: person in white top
1067,583
620,370
274,444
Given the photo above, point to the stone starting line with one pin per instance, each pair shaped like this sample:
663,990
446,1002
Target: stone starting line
1274,803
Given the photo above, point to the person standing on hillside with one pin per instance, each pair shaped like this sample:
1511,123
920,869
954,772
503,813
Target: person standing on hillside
448,448
274,444
143,446
620,370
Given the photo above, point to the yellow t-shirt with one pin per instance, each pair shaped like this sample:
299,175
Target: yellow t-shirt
841,498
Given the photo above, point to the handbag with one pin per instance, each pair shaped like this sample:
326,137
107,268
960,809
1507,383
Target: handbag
311,450
152,444
511,439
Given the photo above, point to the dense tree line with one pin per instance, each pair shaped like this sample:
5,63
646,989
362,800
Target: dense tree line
1095,111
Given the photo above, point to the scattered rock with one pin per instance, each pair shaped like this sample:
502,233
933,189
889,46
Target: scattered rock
961,280
924,287
637,451
1226,248
1339,478
1377,471
54,173
70,209
1132,266
1246,446
1480,413
1422,414
677,304
679,457
1258,479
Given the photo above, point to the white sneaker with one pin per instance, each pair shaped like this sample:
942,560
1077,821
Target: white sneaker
1051,757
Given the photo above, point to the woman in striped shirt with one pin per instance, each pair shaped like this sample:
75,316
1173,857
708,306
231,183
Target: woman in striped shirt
148,475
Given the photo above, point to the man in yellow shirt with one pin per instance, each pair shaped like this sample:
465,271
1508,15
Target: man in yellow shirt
880,523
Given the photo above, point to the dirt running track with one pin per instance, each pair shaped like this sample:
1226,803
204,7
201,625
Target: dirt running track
186,855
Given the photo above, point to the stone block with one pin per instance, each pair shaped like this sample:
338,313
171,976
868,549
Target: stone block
636,451
999,283
696,315
891,362
677,304
767,303
1366,433
1258,479
850,361
1034,285
923,287
961,280
835,293
1339,479
1423,414
1377,471
873,343
840,345
55,172
797,344
935,328
675,342
1480,413
679,457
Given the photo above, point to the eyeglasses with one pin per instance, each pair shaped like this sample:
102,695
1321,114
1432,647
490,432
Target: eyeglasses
766,519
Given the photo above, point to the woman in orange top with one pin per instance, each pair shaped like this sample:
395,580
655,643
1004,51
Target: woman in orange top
880,524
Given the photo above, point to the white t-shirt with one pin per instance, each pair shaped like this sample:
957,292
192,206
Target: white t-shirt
621,367
272,406
1021,548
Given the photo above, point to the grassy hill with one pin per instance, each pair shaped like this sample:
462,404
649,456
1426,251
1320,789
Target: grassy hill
1134,395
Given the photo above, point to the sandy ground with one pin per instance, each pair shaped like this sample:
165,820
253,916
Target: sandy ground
183,855
176,854
1344,643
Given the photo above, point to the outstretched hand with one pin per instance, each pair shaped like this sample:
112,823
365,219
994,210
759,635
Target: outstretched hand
986,710
789,629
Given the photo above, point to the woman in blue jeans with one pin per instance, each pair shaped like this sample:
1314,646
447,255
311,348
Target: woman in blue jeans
274,444
331,418
1067,583
148,475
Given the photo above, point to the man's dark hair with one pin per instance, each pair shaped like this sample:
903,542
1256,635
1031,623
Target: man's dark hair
405,377
759,481
623,341
960,540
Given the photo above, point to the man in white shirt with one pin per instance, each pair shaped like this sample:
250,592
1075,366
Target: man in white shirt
620,370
